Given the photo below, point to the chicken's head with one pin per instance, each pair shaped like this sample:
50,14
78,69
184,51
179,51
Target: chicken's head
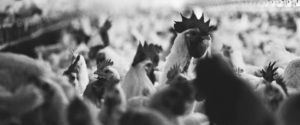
147,56
196,34
272,92
72,71
107,72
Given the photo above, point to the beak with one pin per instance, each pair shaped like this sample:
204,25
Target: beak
205,37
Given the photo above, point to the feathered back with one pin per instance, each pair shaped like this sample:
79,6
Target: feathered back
229,100
289,111
136,81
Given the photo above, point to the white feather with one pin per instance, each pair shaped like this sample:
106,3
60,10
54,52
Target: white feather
136,81
179,56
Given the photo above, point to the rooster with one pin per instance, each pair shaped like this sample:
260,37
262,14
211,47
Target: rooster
193,41
137,81
228,99
106,75
77,73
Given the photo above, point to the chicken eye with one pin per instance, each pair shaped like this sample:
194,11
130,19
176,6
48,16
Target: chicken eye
149,65
192,33
72,77
106,71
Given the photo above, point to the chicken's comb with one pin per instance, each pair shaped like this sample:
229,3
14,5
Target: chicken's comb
192,22
269,71
152,51
147,51
173,72
152,48
105,63
72,66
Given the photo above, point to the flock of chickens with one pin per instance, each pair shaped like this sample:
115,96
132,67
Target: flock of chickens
194,78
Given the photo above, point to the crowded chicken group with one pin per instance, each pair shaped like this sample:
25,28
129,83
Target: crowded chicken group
196,70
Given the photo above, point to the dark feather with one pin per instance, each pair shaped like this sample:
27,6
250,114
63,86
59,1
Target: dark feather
228,99
147,51
269,71
72,67
193,22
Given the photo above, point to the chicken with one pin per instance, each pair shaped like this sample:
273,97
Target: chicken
103,32
272,93
106,75
291,77
114,104
143,116
38,96
235,59
228,99
193,41
195,119
105,50
289,111
176,100
121,62
279,54
77,73
80,113
137,81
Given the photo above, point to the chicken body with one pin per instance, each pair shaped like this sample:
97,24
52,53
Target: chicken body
77,74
